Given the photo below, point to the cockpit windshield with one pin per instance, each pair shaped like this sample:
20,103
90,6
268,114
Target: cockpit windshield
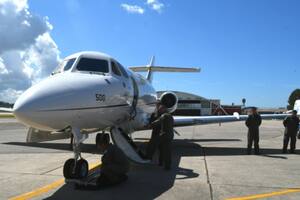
93,65
64,65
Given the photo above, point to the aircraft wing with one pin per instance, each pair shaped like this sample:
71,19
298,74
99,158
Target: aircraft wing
198,120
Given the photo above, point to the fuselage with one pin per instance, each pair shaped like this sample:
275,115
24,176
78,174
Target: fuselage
89,90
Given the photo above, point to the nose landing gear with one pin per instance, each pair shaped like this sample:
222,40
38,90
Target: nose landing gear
77,167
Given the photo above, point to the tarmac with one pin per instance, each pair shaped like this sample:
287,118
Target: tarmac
209,162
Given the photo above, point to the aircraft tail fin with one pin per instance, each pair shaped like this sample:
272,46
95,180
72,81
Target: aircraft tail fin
152,68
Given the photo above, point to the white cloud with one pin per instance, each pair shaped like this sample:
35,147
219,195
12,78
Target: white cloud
155,5
10,95
44,54
133,8
27,51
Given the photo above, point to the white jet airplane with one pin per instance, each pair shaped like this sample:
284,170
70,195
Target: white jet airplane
91,92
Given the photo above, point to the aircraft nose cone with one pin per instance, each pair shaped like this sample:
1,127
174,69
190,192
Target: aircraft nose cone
18,108
28,106
32,107
22,108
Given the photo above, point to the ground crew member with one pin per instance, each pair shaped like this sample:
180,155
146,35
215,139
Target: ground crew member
166,123
154,140
291,124
253,122
114,165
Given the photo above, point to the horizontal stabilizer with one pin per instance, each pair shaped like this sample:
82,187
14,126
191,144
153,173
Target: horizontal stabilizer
152,68
164,69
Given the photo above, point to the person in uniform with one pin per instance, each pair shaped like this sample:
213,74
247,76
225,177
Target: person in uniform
291,124
154,140
166,135
114,166
253,122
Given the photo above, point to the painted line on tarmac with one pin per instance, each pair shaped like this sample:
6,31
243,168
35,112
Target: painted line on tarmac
47,188
265,195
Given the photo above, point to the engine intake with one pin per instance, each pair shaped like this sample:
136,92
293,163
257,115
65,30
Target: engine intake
170,100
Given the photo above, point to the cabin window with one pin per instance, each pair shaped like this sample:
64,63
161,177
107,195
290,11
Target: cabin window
92,65
115,69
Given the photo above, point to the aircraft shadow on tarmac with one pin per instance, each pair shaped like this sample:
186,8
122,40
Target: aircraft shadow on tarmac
201,140
85,148
178,143
91,148
145,181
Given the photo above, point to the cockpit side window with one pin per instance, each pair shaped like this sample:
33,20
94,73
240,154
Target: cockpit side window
123,70
69,64
92,65
64,66
115,69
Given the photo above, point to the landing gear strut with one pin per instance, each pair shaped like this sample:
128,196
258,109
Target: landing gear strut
71,141
77,167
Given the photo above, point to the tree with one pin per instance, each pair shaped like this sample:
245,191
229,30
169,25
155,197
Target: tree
295,95
5,104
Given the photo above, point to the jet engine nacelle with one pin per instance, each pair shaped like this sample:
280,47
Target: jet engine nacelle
170,100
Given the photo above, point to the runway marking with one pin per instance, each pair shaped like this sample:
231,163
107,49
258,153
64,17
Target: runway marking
47,188
265,195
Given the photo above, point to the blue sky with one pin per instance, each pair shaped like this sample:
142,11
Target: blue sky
246,49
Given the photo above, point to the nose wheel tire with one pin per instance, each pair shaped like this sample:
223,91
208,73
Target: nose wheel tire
82,168
80,171
68,168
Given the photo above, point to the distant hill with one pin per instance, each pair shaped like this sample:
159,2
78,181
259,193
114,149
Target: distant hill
6,105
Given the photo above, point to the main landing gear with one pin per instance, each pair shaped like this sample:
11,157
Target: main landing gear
77,167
